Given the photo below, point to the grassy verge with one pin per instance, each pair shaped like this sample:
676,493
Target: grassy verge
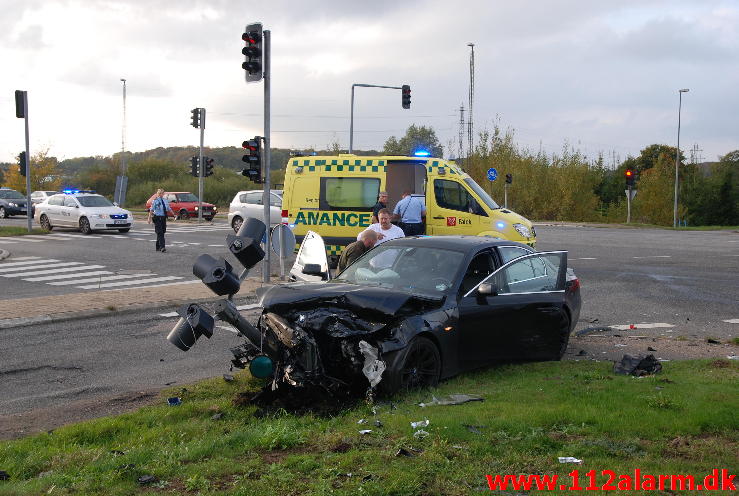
682,421
19,231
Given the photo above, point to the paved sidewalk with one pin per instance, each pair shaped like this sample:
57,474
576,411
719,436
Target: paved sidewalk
22,311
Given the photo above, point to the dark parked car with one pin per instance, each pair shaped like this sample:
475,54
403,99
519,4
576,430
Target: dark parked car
413,311
12,203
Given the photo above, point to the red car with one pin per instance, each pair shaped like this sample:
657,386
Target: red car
185,205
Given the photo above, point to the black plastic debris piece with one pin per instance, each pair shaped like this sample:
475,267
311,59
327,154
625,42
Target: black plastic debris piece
589,330
367,478
4,475
712,341
405,452
475,429
452,399
649,348
118,452
582,353
174,401
146,479
217,416
637,365
228,377
378,423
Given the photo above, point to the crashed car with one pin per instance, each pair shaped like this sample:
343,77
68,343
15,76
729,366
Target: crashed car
410,312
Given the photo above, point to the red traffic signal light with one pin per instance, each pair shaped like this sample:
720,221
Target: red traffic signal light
252,52
630,177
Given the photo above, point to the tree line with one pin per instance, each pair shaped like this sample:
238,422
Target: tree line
566,186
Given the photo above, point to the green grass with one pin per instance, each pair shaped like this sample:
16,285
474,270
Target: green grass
19,231
681,421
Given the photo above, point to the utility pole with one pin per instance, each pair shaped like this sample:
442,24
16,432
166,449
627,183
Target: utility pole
201,169
123,132
677,156
470,124
461,134
21,112
266,194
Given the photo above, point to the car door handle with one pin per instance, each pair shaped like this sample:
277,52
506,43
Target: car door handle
438,217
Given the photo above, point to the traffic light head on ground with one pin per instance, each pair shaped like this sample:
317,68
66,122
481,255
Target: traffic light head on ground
252,52
406,96
217,274
194,322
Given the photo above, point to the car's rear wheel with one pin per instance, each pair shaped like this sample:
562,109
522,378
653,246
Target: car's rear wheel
3,213
45,223
85,226
418,365
563,338
236,223
124,230
183,215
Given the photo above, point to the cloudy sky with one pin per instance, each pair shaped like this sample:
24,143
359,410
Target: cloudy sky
601,76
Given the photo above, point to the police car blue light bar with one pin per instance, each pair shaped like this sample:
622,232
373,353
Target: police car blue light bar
422,153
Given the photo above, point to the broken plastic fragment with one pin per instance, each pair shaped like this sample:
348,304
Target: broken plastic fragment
365,431
228,377
174,401
404,452
452,399
420,423
420,434
569,459
373,368
378,423
146,479
4,475
362,421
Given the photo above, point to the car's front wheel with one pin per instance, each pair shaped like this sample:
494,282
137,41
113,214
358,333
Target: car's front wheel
183,215
236,223
85,226
3,213
418,365
45,223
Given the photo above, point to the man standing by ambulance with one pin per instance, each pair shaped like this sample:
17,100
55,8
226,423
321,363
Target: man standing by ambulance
410,211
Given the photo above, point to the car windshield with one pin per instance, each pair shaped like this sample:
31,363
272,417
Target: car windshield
11,195
481,193
424,270
94,201
186,197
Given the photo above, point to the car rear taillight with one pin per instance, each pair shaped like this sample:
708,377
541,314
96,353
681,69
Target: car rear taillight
573,284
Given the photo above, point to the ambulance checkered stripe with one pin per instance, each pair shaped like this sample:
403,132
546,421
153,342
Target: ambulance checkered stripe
362,165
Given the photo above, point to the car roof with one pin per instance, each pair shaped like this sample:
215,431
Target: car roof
457,243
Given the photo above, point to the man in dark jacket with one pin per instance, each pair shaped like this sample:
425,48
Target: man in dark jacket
355,250
381,203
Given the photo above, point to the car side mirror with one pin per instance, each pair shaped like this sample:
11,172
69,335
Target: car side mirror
487,289
314,270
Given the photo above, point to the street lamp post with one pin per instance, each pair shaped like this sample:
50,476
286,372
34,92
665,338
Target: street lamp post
677,155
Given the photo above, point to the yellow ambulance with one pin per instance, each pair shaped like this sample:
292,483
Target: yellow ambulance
334,196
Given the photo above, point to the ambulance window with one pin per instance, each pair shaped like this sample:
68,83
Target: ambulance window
452,195
348,193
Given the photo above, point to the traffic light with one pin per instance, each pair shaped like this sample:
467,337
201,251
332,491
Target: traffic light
252,52
630,176
195,118
22,163
195,166
208,166
194,322
509,178
406,96
217,274
253,158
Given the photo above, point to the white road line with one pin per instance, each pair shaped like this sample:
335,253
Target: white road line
219,246
128,283
626,327
39,266
240,307
19,239
23,258
67,276
77,236
585,258
6,241
53,271
14,264
44,238
655,256
732,321
160,285
94,279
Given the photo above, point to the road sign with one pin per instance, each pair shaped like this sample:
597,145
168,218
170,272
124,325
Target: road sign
633,193
492,174
283,244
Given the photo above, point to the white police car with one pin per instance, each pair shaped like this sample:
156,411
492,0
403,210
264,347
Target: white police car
82,210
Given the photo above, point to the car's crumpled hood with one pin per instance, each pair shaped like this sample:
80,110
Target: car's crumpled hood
360,299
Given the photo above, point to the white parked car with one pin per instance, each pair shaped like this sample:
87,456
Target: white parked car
39,196
85,211
247,204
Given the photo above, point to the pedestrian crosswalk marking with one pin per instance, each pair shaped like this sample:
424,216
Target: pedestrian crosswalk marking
27,262
53,271
44,265
129,283
68,276
94,279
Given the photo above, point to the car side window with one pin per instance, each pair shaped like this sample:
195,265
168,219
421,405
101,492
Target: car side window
254,198
452,195
172,198
531,274
36,194
275,201
69,202
56,200
242,198
508,253
480,267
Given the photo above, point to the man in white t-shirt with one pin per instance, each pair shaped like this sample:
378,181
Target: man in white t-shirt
385,229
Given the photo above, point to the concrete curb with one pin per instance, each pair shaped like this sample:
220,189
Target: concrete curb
4,254
102,312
